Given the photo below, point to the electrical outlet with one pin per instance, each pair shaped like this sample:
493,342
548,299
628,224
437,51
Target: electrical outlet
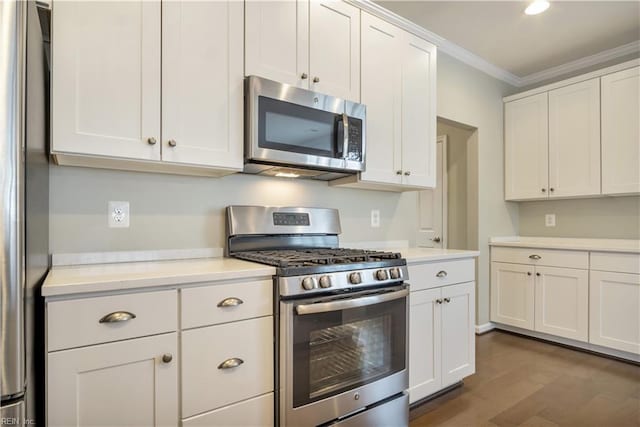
375,218
550,220
118,213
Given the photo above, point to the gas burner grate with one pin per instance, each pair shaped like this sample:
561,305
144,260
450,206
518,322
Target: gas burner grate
287,258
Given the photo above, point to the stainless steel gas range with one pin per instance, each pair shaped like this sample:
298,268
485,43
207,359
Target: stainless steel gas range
341,318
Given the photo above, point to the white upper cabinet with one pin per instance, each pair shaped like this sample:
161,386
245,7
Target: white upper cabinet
621,132
108,90
381,93
334,49
526,148
419,113
574,140
277,41
310,44
398,81
106,79
202,83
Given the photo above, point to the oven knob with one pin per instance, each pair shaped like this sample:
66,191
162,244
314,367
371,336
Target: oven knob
309,283
382,275
355,278
395,273
325,282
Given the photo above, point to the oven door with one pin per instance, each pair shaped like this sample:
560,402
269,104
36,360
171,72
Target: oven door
341,354
293,126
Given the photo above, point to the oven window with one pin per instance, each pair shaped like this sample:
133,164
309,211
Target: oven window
290,127
339,350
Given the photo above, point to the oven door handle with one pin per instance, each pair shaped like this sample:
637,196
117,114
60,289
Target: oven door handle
325,307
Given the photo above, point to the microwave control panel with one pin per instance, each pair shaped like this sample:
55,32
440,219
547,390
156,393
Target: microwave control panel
354,150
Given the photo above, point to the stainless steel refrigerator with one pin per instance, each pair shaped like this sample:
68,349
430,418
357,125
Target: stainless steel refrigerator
24,209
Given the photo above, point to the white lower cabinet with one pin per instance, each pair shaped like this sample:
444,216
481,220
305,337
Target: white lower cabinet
256,412
562,302
226,363
125,383
441,338
512,294
614,319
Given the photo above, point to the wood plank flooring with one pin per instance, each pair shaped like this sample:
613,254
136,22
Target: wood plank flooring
524,382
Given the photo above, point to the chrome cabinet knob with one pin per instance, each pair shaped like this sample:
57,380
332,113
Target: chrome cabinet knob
551,189
325,282
151,141
544,190
528,273
438,301
436,239
172,143
538,274
167,358
407,173
309,283
355,278
398,172
447,300
304,76
316,79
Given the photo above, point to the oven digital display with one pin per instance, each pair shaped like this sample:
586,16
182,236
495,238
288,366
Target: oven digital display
288,218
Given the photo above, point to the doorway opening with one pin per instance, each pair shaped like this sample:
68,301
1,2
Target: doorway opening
448,214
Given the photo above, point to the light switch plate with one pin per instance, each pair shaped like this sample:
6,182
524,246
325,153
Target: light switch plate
375,218
118,213
550,220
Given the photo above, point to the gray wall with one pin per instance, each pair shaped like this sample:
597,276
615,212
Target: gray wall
608,217
180,212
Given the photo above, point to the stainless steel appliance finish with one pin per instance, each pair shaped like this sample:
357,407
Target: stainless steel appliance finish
342,152
24,209
341,317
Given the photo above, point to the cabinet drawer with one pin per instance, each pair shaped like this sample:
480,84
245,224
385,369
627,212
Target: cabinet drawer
548,257
256,412
616,262
80,322
206,305
205,384
434,274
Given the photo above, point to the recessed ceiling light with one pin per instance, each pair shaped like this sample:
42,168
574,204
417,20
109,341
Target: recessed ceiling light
538,6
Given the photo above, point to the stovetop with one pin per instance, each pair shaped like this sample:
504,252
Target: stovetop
292,262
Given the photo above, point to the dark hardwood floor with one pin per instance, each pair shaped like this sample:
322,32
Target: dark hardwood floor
524,382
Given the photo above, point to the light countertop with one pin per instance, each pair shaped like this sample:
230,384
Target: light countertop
78,279
597,245
135,275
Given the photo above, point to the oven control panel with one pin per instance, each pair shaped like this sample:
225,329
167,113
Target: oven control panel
315,283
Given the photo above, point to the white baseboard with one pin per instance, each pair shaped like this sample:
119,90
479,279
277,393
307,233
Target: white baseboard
485,327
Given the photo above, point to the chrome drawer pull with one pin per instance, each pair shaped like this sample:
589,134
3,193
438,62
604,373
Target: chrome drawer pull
230,302
117,316
535,256
234,362
441,273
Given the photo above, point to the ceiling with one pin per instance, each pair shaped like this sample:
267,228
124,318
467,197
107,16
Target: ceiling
500,33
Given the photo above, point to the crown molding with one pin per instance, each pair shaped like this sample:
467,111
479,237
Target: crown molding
487,67
582,63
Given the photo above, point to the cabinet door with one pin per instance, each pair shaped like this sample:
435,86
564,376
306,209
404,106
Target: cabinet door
574,140
277,41
419,113
621,132
382,46
125,383
562,302
512,294
202,83
458,332
424,344
106,79
334,49
526,156
614,317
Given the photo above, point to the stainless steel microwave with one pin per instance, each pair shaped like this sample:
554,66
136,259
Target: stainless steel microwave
291,131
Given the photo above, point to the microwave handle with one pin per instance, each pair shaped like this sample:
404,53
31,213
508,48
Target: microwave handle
345,143
325,307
